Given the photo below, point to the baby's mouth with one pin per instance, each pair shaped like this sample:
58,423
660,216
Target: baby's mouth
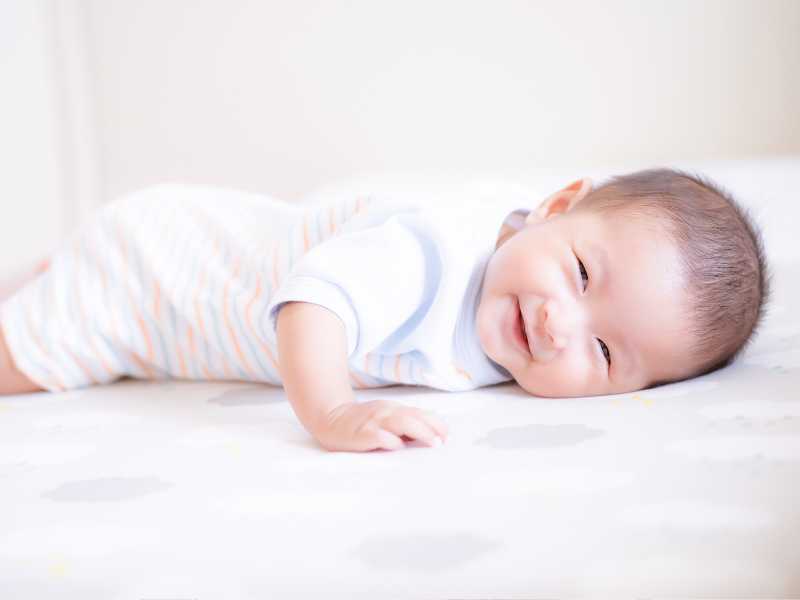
522,326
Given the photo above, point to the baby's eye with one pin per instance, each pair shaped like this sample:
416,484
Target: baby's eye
584,274
606,351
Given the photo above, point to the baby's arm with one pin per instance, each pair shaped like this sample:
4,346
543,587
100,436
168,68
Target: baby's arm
312,350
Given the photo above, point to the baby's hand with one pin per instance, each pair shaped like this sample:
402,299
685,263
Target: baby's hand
378,424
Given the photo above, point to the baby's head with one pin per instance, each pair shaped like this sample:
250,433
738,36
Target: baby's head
650,278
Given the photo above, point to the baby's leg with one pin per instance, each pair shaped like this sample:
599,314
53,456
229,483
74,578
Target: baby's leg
12,380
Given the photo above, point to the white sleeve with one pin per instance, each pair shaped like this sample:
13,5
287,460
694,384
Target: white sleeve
372,279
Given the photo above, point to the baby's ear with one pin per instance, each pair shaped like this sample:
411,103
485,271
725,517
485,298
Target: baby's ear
561,201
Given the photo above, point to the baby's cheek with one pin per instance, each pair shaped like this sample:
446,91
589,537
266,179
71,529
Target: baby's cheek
560,378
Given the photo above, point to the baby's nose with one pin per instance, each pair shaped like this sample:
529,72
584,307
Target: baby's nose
553,325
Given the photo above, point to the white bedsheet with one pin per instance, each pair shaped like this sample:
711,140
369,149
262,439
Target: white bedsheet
195,490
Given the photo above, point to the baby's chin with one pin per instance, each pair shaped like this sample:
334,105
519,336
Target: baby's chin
550,389
539,392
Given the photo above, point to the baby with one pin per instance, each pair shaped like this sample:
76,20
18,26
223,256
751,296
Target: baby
649,278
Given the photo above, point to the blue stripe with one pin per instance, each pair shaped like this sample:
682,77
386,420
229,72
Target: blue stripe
91,259
190,289
18,320
216,349
48,342
233,309
70,295
178,261
78,322
114,283
157,226
169,302
254,354
216,321
146,313
433,277
94,257
131,295
210,321
273,374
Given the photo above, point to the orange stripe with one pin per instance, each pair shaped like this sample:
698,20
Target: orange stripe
203,368
157,299
143,366
83,367
397,368
225,367
192,350
331,224
140,320
207,226
150,353
184,372
81,309
462,371
201,325
249,320
229,324
306,242
181,359
37,340
148,371
112,319
80,363
157,311
358,205
190,335
197,311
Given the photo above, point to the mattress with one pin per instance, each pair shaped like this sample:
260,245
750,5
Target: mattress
193,490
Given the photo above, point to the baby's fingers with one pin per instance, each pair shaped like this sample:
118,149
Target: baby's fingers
411,426
435,423
386,440
365,440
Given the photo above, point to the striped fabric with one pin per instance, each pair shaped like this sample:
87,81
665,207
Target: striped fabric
168,282
174,282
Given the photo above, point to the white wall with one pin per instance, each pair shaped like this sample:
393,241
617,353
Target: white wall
49,177
100,97
31,174
280,96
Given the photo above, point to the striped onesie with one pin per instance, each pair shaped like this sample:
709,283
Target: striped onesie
185,282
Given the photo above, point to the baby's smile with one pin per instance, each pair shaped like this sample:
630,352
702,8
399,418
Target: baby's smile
568,306
518,335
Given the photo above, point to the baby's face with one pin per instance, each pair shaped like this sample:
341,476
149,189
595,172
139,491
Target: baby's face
628,297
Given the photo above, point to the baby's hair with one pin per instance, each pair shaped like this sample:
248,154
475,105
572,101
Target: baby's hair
726,276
